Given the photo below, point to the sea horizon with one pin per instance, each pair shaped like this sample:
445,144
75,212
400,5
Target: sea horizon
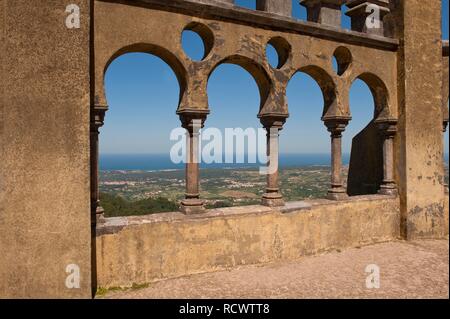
160,162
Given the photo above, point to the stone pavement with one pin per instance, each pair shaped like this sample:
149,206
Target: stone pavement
418,269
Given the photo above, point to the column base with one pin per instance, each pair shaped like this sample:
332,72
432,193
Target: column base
272,200
388,190
337,194
192,206
100,215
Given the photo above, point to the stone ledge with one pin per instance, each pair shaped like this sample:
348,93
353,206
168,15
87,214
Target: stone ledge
113,225
150,248
261,19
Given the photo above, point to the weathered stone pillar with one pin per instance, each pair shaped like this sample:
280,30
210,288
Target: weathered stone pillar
272,125
192,122
336,126
368,16
324,11
97,121
45,213
418,144
388,129
281,7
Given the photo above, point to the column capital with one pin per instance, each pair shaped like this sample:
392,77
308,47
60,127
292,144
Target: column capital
188,116
387,127
273,121
445,117
336,125
98,115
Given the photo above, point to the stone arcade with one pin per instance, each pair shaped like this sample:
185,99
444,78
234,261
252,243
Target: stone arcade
54,105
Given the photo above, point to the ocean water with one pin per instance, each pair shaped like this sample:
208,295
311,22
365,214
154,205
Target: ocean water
150,162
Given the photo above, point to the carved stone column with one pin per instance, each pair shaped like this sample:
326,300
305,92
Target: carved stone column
97,121
336,126
192,122
444,130
388,129
273,125
324,11
368,16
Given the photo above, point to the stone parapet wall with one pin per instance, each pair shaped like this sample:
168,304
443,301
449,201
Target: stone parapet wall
53,104
149,248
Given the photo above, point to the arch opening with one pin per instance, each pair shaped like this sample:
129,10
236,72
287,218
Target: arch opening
169,58
142,92
363,141
258,73
230,139
327,86
379,93
304,142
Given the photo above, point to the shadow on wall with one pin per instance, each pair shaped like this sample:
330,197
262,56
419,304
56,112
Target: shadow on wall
365,172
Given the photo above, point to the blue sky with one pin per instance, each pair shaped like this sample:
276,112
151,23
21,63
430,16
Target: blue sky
142,93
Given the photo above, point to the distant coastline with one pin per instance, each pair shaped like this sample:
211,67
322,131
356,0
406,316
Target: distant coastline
162,162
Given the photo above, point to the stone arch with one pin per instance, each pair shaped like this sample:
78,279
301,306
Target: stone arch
255,69
370,159
327,86
380,94
162,53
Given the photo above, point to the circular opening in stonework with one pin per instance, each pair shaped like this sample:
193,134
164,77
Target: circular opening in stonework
341,60
278,51
197,41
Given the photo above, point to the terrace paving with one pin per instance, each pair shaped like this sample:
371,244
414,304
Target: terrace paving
408,269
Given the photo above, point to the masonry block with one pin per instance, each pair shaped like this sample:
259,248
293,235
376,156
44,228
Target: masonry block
324,11
281,7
